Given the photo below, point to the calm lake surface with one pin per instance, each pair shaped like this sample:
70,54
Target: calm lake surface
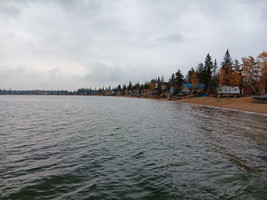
72,147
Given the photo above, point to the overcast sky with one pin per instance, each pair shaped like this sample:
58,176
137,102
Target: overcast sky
68,44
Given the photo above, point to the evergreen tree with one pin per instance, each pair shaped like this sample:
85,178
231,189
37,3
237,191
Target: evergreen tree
227,60
146,86
229,74
172,80
200,72
137,85
237,67
214,78
207,72
153,80
123,89
130,85
188,75
119,87
179,78
215,68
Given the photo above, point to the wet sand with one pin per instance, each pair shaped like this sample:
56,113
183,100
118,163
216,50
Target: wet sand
243,103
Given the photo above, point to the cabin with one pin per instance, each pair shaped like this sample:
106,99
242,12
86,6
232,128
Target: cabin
230,90
164,86
161,87
185,89
173,91
188,88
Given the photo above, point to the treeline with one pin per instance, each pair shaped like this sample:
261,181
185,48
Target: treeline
35,92
205,78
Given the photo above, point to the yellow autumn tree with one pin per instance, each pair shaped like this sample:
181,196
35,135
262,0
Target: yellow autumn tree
221,77
229,77
262,62
151,87
194,80
235,79
251,73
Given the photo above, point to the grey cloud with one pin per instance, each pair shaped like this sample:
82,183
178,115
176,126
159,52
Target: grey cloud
21,70
101,72
82,8
70,43
173,38
52,38
24,78
9,10
115,74
54,73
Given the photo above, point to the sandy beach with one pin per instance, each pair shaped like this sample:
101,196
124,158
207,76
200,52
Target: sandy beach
243,103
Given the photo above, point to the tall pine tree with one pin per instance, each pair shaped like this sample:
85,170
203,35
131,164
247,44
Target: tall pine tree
208,72
215,68
130,86
179,78
227,60
214,79
237,67
172,80
200,72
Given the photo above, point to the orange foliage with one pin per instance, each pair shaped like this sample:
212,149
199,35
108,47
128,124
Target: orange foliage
229,77
262,61
251,73
151,87
194,79
235,79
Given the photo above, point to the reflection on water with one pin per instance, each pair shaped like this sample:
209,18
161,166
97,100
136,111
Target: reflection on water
120,148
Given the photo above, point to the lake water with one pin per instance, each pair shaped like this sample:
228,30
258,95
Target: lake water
84,147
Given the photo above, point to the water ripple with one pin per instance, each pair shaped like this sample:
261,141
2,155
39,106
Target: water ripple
118,148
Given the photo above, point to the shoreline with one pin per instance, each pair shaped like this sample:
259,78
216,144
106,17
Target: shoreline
242,104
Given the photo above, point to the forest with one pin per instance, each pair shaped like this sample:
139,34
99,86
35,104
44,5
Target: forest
250,76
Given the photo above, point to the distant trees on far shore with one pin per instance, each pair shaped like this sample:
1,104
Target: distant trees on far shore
35,92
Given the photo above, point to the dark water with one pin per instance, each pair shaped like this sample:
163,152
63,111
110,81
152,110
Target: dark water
120,148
